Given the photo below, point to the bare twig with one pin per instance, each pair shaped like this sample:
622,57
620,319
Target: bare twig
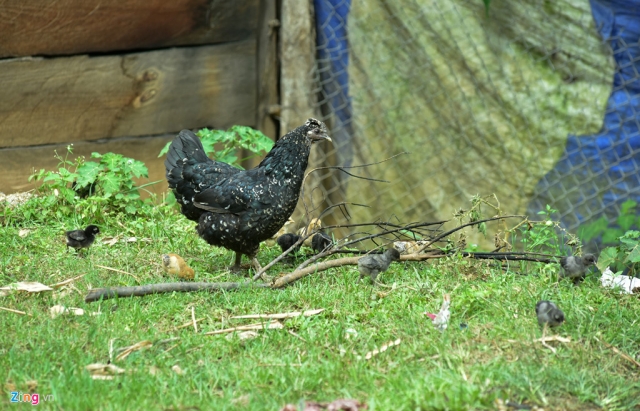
280,257
65,282
117,271
280,316
620,353
193,319
258,326
14,311
447,233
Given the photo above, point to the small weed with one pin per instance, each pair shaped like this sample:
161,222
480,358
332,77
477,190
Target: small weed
626,255
627,219
87,188
232,140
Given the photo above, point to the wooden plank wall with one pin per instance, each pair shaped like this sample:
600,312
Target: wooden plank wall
108,77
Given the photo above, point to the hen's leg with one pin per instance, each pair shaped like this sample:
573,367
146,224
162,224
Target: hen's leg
236,265
256,264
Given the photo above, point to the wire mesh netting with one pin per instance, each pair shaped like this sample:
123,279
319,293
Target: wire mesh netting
533,101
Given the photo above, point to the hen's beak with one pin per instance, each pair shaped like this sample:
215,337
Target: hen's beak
319,136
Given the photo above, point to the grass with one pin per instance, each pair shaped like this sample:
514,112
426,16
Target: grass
460,369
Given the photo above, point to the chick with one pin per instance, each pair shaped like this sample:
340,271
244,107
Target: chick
320,242
576,267
286,228
408,247
549,314
80,239
441,320
173,264
314,225
374,264
285,242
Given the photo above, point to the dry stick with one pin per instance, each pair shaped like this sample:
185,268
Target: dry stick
117,271
65,282
301,271
14,311
447,233
280,257
193,318
142,290
620,353
357,240
298,274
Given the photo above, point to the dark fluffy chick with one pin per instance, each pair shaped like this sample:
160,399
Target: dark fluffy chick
286,241
548,313
374,264
320,242
576,267
79,239
237,209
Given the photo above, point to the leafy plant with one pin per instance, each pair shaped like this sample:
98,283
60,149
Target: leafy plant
546,236
92,188
625,255
600,227
232,140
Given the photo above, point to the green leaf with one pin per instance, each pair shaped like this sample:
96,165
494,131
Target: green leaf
52,177
634,255
138,169
165,149
68,194
112,161
589,231
486,6
131,209
87,173
628,207
607,258
110,184
625,221
611,235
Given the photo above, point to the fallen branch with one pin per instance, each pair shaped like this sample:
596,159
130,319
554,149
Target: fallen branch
280,316
298,274
272,325
97,294
14,311
620,353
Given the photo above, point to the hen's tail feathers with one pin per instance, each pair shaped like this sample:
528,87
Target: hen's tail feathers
185,145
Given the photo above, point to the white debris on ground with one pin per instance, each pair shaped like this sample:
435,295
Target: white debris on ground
16,198
628,284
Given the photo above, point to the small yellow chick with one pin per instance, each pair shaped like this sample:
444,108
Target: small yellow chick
408,247
286,228
173,264
314,226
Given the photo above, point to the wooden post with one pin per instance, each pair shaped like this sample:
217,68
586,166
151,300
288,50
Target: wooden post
297,62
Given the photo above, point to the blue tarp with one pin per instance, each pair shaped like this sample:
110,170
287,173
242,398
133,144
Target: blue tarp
598,172
333,62
595,174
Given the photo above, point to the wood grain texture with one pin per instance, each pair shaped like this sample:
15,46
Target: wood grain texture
65,99
267,69
17,164
64,27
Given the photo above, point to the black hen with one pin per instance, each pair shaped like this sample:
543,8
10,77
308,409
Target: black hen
237,209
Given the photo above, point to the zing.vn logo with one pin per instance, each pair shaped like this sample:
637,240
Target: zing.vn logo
34,399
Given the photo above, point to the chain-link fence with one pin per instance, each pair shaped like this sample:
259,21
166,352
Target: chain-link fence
536,102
